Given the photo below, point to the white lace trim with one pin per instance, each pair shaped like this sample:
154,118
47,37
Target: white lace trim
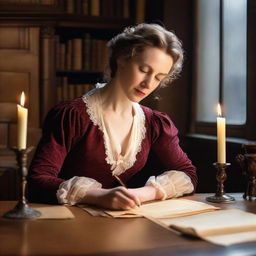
72,191
171,184
119,164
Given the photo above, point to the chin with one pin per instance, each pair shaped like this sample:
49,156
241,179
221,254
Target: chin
136,99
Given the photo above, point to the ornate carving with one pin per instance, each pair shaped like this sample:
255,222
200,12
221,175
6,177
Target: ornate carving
247,162
221,176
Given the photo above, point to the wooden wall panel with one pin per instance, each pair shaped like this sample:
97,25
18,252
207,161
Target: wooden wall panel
12,84
14,38
19,68
19,71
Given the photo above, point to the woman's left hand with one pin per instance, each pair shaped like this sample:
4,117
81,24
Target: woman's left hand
146,193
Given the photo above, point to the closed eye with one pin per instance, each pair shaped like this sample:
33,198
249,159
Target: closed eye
160,78
144,70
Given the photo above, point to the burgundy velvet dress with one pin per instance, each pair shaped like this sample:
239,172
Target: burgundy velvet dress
71,145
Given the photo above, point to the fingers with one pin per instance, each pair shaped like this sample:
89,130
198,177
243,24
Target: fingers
131,195
123,199
116,198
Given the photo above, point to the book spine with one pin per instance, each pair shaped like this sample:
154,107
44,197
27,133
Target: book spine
71,91
70,6
95,7
57,51
69,52
59,89
85,7
65,92
126,9
87,52
62,51
140,11
77,54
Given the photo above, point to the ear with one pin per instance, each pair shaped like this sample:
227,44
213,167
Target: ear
121,61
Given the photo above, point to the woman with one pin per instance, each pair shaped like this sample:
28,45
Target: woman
104,138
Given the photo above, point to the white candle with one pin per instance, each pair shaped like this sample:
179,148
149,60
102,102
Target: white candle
221,137
22,124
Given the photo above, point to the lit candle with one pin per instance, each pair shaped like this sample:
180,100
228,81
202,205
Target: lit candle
221,136
22,124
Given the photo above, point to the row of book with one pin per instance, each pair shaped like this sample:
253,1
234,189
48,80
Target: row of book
103,8
86,54
68,91
38,2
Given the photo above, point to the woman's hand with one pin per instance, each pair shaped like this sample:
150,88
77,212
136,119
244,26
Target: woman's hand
119,198
146,193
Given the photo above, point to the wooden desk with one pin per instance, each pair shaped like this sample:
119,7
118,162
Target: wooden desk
87,235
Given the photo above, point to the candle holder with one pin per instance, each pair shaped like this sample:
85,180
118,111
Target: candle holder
221,176
21,210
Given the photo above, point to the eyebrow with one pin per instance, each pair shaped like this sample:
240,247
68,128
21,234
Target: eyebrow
162,74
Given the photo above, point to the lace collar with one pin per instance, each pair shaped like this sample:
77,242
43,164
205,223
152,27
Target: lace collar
119,163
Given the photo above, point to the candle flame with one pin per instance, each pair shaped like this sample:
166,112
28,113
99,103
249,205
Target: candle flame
22,99
219,110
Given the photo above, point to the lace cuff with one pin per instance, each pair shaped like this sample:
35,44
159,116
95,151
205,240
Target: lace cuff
73,190
171,184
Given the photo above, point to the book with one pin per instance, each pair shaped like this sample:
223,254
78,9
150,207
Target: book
85,7
87,51
223,227
95,8
70,8
140,11
160,209
68,55
62,56
167,208
76,54
126,9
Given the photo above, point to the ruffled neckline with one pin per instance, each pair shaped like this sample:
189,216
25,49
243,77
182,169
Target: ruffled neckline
119,163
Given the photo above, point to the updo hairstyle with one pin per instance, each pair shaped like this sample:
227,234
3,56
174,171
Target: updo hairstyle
133,40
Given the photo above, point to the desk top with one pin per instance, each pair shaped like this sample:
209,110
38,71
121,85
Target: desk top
87,235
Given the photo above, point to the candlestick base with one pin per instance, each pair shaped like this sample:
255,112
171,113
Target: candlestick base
221,176
21,210
220,199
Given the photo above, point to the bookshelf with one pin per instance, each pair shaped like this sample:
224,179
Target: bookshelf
80,42
53,50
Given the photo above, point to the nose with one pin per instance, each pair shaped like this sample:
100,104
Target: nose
147,82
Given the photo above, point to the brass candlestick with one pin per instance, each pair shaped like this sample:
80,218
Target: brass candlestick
21,210
221,176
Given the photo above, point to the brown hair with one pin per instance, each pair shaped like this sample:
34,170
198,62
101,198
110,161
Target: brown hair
133,40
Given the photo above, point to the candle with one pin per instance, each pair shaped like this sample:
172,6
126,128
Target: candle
22,123
221,137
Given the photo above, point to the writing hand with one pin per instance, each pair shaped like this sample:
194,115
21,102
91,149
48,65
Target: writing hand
119,198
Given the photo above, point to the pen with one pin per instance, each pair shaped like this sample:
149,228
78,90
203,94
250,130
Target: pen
120,181
122,184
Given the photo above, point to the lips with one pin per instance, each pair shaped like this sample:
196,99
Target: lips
140,93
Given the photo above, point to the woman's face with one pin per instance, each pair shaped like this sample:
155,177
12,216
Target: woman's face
142,74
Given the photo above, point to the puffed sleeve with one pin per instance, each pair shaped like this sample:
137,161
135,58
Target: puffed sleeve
62,128
180,176
73,190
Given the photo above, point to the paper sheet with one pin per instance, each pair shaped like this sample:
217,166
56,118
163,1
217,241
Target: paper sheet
157,209
55,212
223,227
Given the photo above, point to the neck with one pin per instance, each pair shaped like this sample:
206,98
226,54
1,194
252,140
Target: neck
114,100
